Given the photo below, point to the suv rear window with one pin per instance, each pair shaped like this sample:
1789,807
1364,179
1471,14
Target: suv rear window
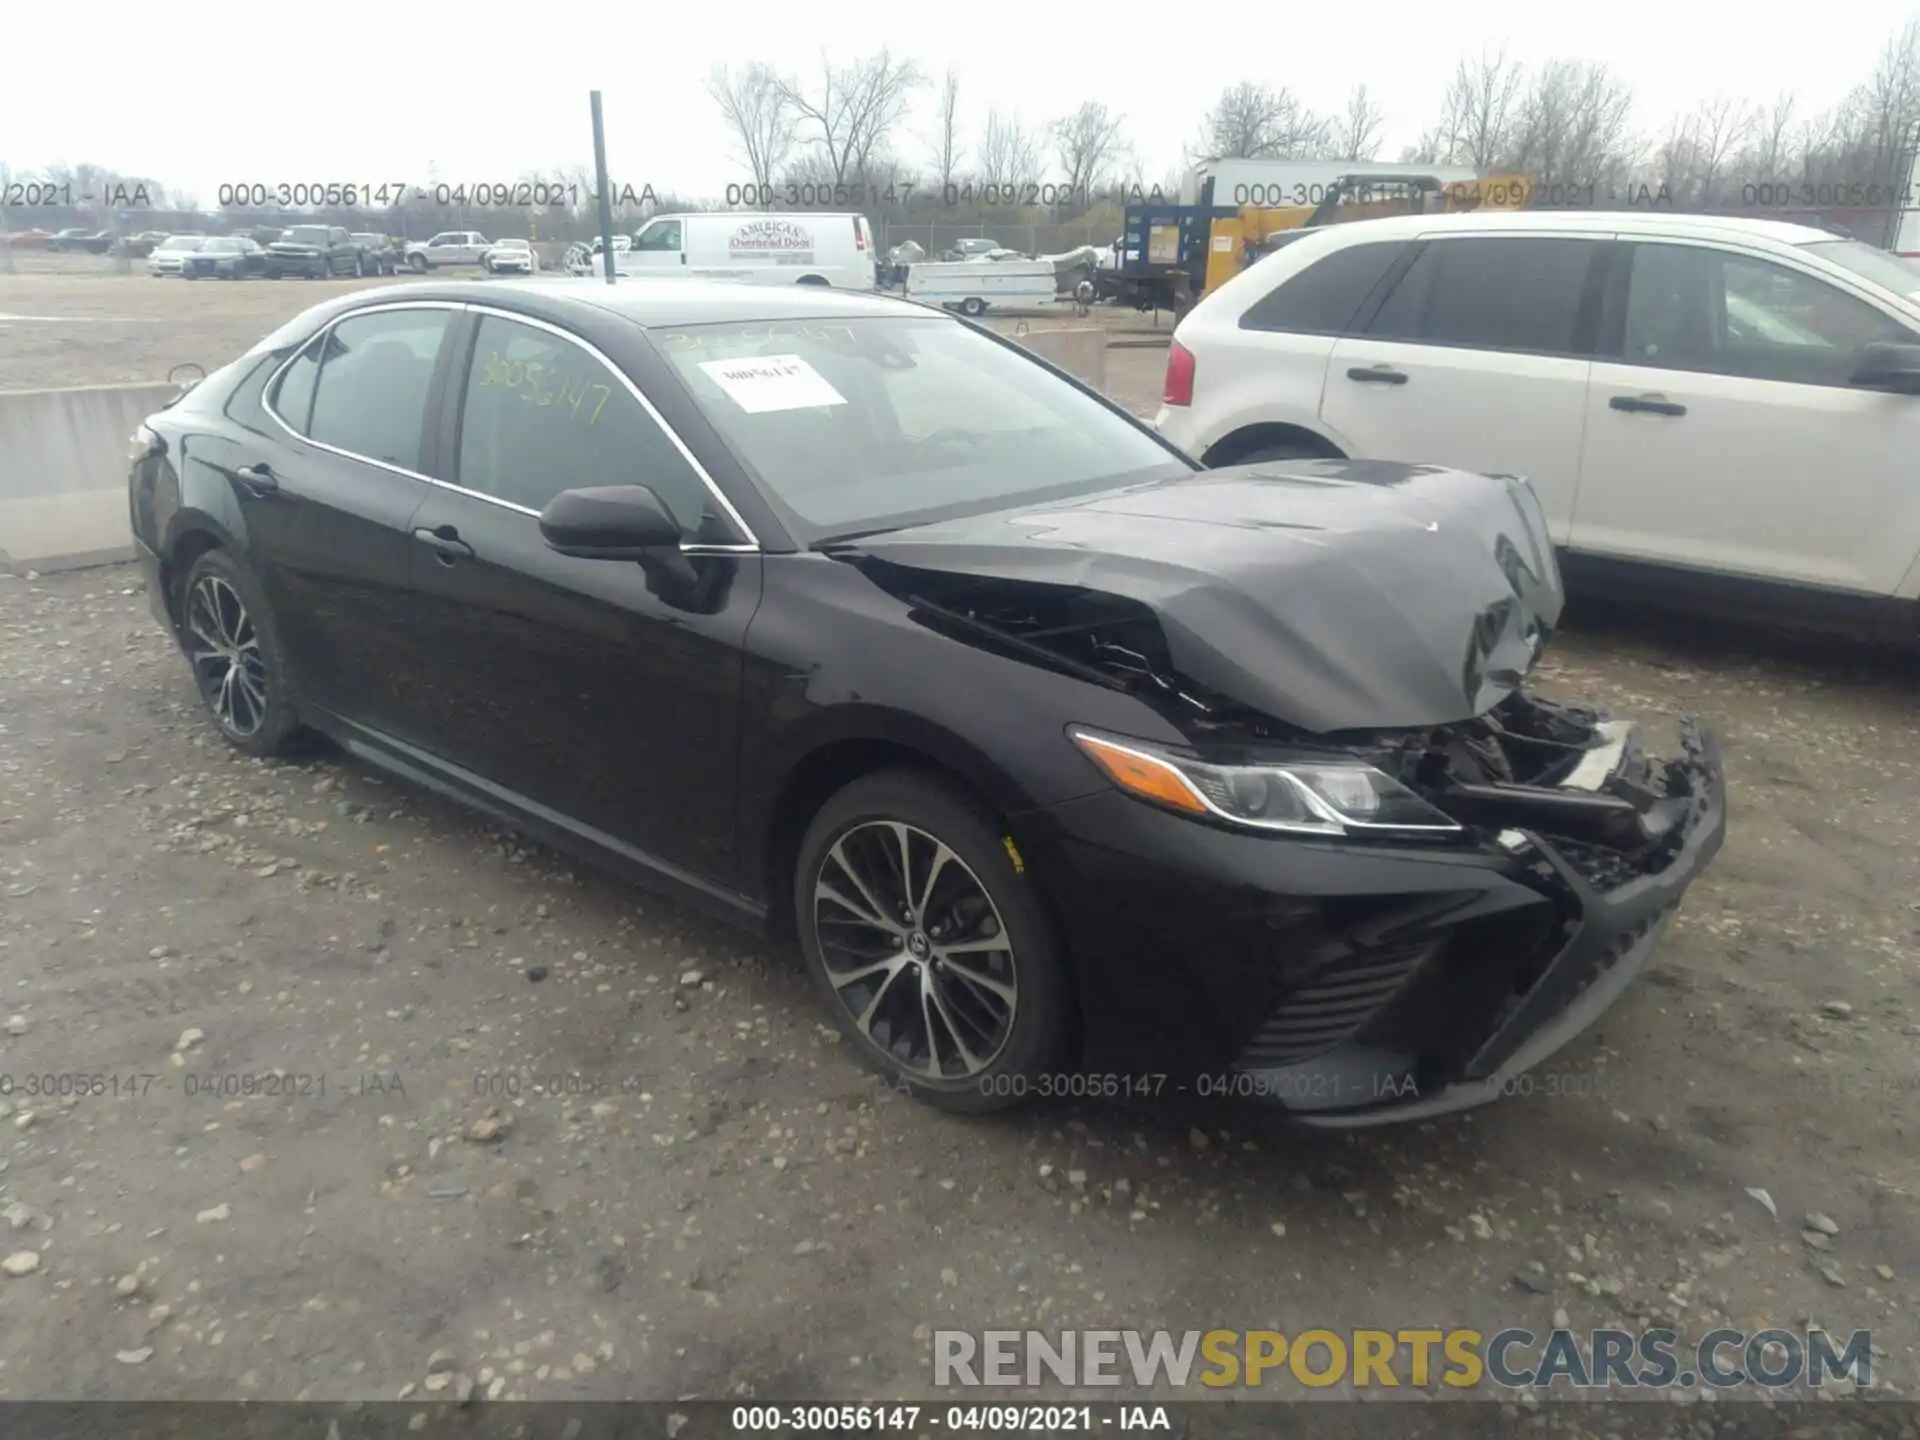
1323,298
1518,293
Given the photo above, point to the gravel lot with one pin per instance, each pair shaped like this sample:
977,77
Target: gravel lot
592,1145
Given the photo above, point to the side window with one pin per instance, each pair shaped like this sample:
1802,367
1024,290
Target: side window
293,396
659,235
1518,293
541,415
375,372
1323,298
337,237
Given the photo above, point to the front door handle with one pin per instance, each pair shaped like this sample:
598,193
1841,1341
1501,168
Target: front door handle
1646,405
1377,375
445,542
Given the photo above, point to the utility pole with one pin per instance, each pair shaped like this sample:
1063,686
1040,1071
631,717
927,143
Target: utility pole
603,185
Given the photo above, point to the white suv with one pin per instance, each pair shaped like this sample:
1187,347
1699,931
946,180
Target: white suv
1714,410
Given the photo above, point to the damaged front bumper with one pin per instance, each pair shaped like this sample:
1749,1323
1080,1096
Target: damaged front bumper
1363,984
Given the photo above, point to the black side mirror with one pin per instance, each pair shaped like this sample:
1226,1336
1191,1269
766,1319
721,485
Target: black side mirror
616,522
1887,365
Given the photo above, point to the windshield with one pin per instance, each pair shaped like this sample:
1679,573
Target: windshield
859,425
183,242
223,247
512,244
306,235
1889,271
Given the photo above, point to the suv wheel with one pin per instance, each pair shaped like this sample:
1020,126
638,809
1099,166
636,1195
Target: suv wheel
932,950
417,264
234,648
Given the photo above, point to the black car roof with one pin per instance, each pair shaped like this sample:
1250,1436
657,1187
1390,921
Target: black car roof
657,302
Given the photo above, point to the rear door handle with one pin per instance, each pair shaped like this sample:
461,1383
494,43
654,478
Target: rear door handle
1646,405
1377,375
445,542
257,479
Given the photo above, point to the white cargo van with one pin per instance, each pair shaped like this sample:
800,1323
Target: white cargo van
802,248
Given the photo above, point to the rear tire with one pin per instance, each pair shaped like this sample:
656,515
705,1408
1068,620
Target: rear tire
239,667
973,306
928,999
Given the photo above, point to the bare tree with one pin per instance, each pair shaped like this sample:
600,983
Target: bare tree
1087,144
1887,107
1009,153
855,110
757,110
1720,127
1251,121
946,140
1479,114
1572,125
1356,134
1769,151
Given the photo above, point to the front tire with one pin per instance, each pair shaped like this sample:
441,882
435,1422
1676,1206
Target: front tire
238,665
973,306
1282,452
934,953
418,264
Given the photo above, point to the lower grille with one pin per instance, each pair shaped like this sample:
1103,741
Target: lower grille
1328,1009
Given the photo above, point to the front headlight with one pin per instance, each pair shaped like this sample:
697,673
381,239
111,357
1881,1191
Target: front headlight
1308,797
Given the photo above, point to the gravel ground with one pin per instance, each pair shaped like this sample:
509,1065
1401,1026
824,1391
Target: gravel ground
592,1145
564,1139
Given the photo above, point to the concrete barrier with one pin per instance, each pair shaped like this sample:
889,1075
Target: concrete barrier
1080,350
63,473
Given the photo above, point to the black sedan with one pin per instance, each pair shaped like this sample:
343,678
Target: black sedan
224,257
1070,766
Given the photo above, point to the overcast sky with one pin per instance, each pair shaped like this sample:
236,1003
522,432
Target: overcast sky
385,90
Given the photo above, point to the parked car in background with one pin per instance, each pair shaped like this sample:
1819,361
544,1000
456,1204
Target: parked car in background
34,239
449,247
379,254
70,239
773,249
315,251
100,242
142,245
510,257
169,257
1715,412
225,257
853,621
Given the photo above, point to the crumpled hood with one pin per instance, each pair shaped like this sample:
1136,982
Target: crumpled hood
1329,594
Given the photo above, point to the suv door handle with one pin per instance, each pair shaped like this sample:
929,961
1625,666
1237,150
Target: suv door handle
444,541
257,479
1646,405
1377,375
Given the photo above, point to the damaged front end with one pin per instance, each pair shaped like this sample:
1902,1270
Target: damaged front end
1422,1003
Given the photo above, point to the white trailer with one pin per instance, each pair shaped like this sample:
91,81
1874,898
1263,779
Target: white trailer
970,286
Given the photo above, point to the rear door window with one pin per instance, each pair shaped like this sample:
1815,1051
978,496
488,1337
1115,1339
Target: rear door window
1323,298
369,393
1518,293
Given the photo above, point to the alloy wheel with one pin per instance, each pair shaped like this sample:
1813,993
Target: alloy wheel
915,949
224,647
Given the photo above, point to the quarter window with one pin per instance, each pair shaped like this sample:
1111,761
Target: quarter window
1518,293
1323,298
542,415
370,396
1693,308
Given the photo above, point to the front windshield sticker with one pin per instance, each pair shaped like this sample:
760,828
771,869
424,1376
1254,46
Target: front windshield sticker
772,382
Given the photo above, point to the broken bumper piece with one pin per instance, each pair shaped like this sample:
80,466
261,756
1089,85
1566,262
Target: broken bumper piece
1608,943
1364,984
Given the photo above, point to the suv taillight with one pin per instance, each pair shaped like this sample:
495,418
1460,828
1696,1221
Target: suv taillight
1178,389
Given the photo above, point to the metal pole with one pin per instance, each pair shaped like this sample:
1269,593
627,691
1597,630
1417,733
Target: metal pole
604,186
